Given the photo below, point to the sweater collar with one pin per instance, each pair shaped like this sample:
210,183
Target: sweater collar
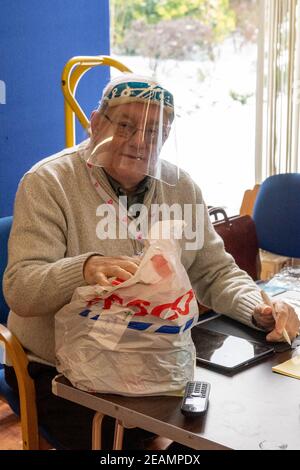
141,188
102,179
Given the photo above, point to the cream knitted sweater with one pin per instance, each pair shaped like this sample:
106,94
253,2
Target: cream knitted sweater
54,232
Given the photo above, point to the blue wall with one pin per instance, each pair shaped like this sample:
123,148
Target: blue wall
37,37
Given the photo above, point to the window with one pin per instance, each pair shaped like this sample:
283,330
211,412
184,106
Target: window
278,123
205,52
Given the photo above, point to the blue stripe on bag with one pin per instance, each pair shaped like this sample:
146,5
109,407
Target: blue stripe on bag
171,330
84,313
135,325
141,326
188,324
95,317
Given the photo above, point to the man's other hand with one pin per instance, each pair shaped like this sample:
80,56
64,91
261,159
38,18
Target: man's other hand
286,317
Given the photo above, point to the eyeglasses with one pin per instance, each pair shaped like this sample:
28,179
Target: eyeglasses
126,130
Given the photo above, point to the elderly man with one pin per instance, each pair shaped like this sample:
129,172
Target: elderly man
55,245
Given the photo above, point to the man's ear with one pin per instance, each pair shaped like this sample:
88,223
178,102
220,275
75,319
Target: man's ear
95,120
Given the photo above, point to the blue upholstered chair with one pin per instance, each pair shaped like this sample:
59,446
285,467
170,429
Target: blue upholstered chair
277,215
23,404
5,226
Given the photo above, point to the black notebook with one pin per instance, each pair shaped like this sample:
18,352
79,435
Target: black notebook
227,353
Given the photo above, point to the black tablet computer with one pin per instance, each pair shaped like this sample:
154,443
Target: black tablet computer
227,353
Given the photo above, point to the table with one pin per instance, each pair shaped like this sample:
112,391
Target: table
253,409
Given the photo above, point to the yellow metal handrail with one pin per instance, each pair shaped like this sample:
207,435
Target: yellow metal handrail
72,73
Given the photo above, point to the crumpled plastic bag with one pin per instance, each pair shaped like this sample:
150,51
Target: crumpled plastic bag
132,338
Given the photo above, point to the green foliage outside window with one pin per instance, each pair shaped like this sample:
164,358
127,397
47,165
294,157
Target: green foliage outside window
179,29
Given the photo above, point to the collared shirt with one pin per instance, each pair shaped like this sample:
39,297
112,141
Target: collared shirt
135,197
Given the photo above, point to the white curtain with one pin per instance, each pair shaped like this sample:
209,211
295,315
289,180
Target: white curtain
278,90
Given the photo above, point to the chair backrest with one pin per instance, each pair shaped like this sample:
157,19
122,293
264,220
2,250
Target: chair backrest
72,73
5,226
249,201
277,215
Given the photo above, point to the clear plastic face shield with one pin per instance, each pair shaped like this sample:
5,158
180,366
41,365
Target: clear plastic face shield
133,132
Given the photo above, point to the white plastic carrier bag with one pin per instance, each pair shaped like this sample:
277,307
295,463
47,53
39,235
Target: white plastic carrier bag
132,338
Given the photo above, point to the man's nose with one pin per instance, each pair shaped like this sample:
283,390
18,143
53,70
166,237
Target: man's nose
138,137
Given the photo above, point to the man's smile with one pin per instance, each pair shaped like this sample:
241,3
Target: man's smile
133,157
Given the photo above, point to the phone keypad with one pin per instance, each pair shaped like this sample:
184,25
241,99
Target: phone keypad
195,400
197,389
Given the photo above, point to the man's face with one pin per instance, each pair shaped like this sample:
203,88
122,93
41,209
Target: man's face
126,140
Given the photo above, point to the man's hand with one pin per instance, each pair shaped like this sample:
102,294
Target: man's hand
286,317
98,269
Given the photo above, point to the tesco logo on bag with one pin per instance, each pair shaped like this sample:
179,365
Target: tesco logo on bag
170,311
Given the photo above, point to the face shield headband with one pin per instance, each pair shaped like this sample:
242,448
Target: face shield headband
130,91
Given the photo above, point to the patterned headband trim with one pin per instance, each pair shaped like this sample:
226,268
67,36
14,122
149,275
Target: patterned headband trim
139,91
